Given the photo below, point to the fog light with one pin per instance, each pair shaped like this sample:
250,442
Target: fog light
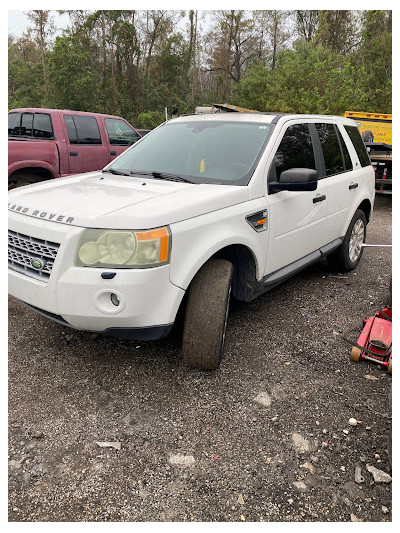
109,301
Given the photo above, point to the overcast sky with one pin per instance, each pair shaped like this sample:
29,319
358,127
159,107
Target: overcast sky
18,22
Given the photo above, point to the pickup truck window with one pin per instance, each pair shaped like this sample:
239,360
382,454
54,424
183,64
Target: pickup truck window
37,125
120,133
82,130
295,151
208,151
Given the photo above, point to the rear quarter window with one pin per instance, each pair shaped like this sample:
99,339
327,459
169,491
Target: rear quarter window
358,143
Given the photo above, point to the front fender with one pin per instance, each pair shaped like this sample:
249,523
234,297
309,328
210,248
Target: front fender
195,240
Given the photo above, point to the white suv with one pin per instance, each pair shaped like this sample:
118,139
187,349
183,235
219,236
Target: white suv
203,205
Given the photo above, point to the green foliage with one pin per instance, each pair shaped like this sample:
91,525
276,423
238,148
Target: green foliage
150,120
341,60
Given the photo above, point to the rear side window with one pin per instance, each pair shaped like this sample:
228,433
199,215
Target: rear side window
358,143
295,151
120,133
82,130
42,126
331,149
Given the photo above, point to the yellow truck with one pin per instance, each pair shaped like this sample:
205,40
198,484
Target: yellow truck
374,127
376,132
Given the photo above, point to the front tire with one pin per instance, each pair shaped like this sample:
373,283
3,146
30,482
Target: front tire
207,314
347,256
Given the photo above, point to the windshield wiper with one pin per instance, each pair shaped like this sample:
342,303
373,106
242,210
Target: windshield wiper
161,175
116,172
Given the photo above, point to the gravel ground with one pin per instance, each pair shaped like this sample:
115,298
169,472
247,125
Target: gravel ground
264,438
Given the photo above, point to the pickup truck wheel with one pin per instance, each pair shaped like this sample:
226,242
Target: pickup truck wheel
207,314
19,180
347,256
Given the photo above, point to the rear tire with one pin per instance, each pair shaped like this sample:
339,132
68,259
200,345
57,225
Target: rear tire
349,253
207,314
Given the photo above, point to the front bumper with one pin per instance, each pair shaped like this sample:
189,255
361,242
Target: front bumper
131,301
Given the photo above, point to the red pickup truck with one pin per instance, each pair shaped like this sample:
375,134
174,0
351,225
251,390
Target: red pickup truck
50,143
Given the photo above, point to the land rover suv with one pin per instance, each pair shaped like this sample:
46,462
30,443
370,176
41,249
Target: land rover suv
208,206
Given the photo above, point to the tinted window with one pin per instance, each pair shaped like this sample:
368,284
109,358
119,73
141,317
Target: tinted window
358,143
30,124
330,148
42,126
26,124
346,156
295,150
119,132
82,130
71,130
14,123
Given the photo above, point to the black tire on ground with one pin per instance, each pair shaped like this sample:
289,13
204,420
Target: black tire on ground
368,136
19,180
347,256
207,314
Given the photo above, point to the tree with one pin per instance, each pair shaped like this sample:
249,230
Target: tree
43,28
307,24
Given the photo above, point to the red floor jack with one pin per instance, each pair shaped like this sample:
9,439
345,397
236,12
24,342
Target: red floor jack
375,341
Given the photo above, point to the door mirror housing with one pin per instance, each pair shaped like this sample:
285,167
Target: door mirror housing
295,179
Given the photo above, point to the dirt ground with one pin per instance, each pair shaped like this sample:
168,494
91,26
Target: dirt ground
264,438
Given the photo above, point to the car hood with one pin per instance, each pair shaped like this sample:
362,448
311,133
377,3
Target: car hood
101,200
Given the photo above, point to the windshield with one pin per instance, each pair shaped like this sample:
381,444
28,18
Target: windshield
210,151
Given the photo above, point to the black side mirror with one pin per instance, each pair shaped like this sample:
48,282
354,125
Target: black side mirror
296,179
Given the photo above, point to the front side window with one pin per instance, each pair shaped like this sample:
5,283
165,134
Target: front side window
295,151
120,133
202,151
330,148
82,130
358,143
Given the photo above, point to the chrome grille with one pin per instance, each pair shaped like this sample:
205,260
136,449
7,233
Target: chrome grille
23,250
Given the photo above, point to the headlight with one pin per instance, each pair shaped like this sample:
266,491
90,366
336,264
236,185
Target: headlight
123,248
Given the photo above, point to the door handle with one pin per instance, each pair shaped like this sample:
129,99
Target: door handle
73,154
319,198
353,186
113,152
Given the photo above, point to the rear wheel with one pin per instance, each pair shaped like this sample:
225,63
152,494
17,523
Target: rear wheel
347,256
207,314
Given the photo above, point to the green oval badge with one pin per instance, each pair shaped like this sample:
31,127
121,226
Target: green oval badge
36,263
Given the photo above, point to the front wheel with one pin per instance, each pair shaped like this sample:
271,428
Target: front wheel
347,256
207,315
